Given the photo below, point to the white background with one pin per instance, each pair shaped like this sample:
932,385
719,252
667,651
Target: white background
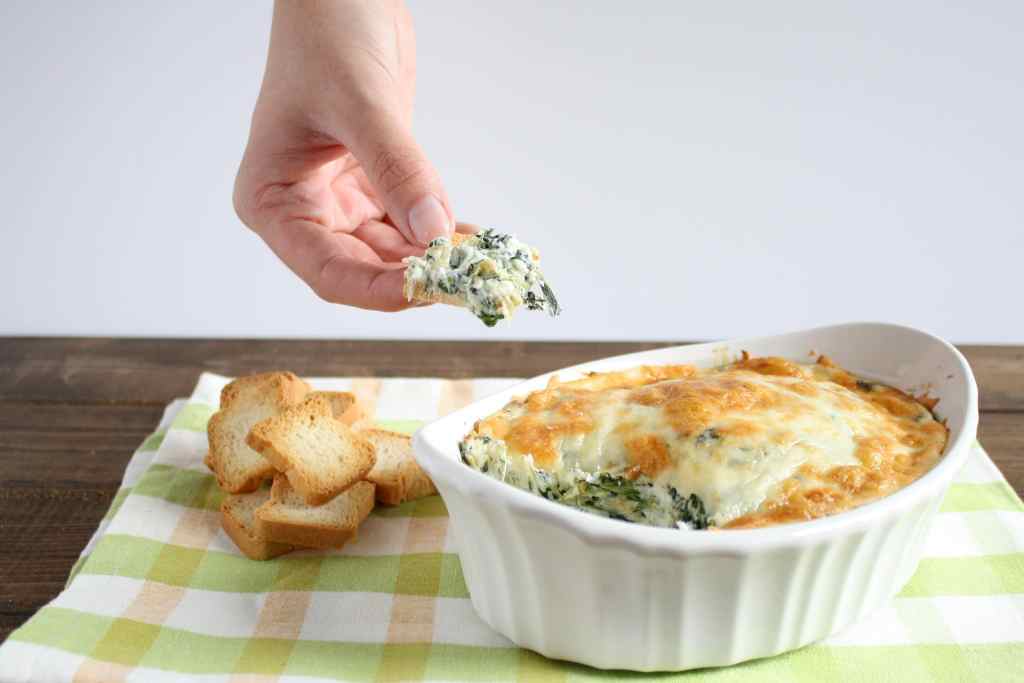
688,170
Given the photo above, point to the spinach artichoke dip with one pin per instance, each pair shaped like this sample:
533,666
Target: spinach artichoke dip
757,442
491,274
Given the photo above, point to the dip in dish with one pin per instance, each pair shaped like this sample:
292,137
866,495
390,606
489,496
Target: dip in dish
591,589
758,442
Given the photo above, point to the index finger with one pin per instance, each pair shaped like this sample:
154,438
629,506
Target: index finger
337,266
378,287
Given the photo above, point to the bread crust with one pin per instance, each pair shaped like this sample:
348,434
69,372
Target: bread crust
252,546
276,390
419,295
288,387
272,523
316,482
344,405
400,481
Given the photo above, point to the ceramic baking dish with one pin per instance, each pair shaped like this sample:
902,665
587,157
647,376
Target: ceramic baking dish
576,586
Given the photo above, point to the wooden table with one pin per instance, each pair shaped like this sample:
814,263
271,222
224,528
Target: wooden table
72,411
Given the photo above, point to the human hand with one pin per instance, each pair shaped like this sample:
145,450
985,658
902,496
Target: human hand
332,178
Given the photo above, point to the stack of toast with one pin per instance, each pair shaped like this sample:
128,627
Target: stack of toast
304,468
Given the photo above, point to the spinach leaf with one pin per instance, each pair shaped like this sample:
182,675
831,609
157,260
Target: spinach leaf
689,509
707,437
534,302
553,306
449,284
490,319
491,240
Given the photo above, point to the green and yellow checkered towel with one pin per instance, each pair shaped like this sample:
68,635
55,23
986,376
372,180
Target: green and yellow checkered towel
161,593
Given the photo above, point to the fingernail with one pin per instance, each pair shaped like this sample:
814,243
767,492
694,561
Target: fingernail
428,219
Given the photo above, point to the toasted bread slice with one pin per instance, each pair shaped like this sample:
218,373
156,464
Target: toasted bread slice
243,403
321,456
238,517
417,293
397,476
344,406
287,518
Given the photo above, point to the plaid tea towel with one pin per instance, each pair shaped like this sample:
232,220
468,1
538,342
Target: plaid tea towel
161,594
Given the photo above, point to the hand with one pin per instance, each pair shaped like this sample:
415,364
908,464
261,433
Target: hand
332,178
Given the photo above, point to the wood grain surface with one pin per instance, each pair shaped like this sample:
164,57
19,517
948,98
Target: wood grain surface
72,411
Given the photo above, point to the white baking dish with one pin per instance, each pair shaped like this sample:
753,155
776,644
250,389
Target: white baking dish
576,586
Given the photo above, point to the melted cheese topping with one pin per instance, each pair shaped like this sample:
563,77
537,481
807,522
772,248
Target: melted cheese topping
761,441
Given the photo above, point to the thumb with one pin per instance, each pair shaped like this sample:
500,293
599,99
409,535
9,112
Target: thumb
403,178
